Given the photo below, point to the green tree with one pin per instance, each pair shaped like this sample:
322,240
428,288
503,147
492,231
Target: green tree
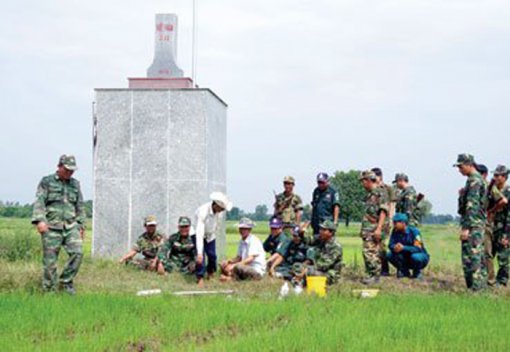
235,214
351,195
261,213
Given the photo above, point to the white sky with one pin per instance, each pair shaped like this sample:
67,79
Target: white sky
311,86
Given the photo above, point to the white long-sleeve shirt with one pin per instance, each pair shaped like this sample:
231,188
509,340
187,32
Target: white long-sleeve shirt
207,224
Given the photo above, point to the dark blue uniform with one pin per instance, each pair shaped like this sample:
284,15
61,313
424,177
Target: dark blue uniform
323,203
274,243
413,256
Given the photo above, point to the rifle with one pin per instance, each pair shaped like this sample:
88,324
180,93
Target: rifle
282,206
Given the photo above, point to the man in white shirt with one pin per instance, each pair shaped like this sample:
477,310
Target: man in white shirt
208,218
250,262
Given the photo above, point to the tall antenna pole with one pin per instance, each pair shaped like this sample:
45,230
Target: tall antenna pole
194,45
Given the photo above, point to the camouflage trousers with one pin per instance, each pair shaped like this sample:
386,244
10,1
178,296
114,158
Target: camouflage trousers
141,263
288,271
52,242
473,260
372,250
502,254
383,250
246,272
175,264
490,248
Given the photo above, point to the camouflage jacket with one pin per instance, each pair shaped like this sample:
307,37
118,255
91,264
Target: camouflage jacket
274,243
178,248
472,202
391,193
323,204
327,256
286,207
294,252
375,202
148,245
500,221
59,203
407,204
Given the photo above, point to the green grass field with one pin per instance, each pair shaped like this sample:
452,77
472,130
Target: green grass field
106,315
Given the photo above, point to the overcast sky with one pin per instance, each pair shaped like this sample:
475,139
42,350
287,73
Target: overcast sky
311,86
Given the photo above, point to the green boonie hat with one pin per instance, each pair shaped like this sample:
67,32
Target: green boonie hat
328,225
464,159
246,223
501,170
289,179
150,220
368,175
401,176
68,161
184,221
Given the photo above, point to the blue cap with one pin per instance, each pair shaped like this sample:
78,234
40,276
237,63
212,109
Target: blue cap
296,231
322,177
400,217
275,223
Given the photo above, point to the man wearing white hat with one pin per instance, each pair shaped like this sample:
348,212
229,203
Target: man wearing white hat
208,217
250,262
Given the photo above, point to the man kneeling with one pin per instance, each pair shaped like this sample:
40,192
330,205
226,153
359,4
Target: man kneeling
407,251
179,251
325,259
250,262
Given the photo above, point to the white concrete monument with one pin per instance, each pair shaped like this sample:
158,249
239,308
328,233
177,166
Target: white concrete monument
159,149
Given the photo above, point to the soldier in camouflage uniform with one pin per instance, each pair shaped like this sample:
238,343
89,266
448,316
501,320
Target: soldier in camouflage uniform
494,201
288,206
323,260
60,219
325,203
375,218
391,197
147,246
289,259
407,199
498,213
472,207
178,253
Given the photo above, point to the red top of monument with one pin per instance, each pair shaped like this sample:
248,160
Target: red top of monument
160,83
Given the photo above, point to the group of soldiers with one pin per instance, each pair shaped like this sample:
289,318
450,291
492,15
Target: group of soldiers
292,253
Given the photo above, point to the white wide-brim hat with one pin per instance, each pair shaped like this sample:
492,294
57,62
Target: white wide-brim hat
222,200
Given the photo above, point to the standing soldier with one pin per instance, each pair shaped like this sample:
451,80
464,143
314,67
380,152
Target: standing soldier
148,245
498,222
407,201
60,220
288,206
372,224
391,197
325,203
473,217
179,251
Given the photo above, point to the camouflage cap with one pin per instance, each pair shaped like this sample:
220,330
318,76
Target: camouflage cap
401,217
465,159
328,225
401,176
68,161
289,179
367,175
501,170
246,223
150,220
184,221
